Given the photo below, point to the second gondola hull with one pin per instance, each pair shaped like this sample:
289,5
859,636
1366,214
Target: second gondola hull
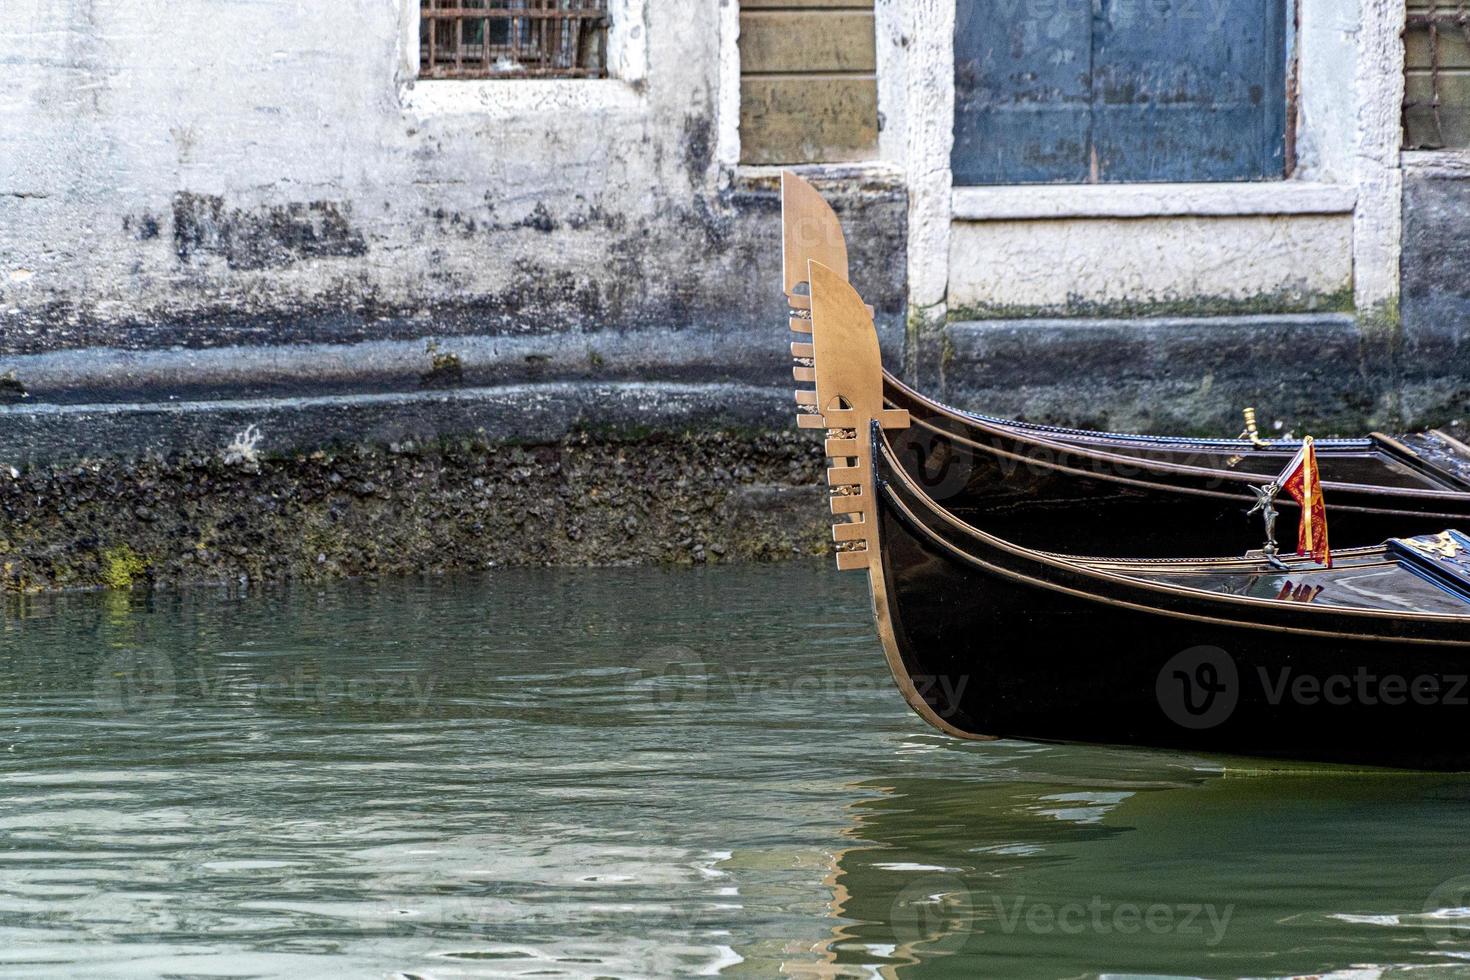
1080,500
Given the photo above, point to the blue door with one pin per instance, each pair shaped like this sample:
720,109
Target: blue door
1086,91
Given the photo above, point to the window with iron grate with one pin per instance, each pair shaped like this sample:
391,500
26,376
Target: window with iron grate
1436,75
513,38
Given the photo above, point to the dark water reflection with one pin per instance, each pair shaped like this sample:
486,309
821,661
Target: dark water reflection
641,773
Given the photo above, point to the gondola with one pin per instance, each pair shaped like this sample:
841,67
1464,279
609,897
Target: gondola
1362,663
1110,493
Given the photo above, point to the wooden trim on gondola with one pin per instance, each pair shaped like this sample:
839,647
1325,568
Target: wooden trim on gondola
1066,449
1131,439
848,397
1339,555
1156,466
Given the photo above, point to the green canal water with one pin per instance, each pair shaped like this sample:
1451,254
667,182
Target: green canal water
641,773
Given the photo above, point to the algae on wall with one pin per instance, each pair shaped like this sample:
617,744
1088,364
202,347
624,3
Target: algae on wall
407,509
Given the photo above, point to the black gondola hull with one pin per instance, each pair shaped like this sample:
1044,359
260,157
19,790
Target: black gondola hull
999,642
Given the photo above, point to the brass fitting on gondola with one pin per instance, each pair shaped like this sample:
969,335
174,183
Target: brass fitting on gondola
1252,430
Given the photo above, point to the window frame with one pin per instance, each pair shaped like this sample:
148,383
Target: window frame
520,31
621,91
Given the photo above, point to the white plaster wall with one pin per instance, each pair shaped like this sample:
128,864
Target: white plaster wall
109,109
1327,58
1379,88
727,150
1057,264
928,41
1351,90
890,26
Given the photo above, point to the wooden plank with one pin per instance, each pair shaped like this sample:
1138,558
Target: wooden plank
1022,96
808,119
1129,92
806,41
806,5
1452,84
1177,97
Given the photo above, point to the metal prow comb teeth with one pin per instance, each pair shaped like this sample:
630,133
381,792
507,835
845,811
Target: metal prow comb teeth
848,373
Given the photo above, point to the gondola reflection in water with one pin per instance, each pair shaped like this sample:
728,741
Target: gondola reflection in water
1362,663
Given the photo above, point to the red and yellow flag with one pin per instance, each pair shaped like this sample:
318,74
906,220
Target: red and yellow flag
1300,479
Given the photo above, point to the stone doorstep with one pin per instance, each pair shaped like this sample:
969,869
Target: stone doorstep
1318,372
1148,349
108,374
694,356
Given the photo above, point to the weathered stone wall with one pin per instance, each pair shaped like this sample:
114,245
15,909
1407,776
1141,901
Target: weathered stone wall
210,174
199,172
409,507
1435,301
